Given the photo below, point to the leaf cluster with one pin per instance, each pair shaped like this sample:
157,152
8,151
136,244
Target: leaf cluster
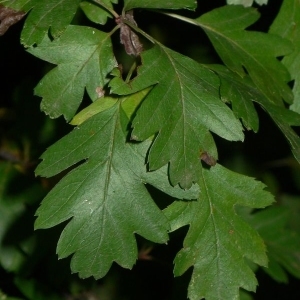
156,125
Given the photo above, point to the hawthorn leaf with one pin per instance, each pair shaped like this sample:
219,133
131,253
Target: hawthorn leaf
252,51
181,108
55,15
287,24
282,243
173,4
97,13
84,57
241,92
218,240
104,194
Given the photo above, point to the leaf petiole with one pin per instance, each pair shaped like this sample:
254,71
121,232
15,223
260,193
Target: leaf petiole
130,72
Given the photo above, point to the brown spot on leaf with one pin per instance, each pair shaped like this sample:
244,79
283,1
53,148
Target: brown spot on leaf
211,161
9,17
100,92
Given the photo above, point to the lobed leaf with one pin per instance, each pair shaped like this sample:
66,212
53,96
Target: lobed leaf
105,196
248,52
241,92
218,240
173,4
181,108
287,24
84,57
96,13
55,15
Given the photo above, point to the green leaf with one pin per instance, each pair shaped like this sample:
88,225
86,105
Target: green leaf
218,240
173,4
55,15
241,92
84,58
96,13
246,3
282,243
245,296
181,108
254,51
105,196
287,25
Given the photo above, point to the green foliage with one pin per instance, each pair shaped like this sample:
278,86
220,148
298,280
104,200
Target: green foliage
186,92
286,25
142,160
84,58
123,207
42,16
218,239
246,3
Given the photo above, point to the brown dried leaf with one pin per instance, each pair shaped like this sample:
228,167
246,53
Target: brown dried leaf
9,17
129,38
211,161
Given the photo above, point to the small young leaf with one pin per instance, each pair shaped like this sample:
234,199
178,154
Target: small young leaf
182,107
53,14
287,24
105,196
84,57
218,240
96,107
173,4
96,13
129,105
